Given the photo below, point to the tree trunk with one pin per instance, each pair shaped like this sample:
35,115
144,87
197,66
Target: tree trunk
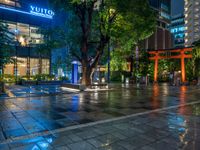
137,62
87,73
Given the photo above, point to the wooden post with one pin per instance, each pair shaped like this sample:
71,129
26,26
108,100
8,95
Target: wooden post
183,76
156,68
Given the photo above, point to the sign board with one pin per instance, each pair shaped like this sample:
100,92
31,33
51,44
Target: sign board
32,10
43,12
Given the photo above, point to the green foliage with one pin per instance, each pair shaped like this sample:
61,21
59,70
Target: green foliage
116,76
43,77
7,78
190,70
196,59
118,60
91,24
6,48
124,22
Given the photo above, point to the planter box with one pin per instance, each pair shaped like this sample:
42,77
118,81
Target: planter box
29,82
49,82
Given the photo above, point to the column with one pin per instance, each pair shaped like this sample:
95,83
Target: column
156,68
183,66
74,72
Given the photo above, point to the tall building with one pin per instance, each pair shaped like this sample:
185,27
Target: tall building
192,21
177,29
161,39
24,18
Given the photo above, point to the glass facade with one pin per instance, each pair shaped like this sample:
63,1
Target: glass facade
26,31
25,34
21,68
177,29
164,8
11,3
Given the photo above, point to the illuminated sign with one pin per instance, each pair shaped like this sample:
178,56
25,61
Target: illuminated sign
43,12
177,29
35,11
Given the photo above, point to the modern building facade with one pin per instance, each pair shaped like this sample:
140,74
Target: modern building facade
161,39
24,19
192,21
177,29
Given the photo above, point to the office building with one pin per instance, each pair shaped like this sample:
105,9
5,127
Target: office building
161,39
192,21
177,29
25,18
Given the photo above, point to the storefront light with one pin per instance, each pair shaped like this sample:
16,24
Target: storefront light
7,1
22,41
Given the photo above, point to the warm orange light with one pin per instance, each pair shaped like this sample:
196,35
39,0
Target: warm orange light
183,66
156,69
181,56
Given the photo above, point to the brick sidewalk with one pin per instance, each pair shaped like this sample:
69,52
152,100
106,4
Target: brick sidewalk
176,128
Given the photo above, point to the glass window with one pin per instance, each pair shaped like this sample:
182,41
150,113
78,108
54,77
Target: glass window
35,36
25,34
9,69
34,66
45,66
12,3
8,2
21,66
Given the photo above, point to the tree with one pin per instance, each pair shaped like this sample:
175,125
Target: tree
6,41
196,59
95,22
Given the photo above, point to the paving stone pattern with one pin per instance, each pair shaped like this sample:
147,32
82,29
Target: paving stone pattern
24,116
166,130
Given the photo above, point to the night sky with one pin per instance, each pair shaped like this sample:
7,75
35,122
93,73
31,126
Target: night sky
177,7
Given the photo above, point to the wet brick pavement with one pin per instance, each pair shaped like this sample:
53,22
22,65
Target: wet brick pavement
173,129
29,115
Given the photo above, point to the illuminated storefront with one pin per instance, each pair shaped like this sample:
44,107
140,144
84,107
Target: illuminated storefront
25,20
22,67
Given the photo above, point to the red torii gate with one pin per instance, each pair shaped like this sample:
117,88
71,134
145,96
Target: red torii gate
179,54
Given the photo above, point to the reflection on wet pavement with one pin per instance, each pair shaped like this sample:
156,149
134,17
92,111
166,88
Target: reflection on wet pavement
23,116
166,130
36,90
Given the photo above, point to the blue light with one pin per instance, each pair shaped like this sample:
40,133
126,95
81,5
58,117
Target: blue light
75,73
177,29
28,13
74,62
16,31
43,12
75,103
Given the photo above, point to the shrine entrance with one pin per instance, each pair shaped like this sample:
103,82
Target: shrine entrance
181,54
